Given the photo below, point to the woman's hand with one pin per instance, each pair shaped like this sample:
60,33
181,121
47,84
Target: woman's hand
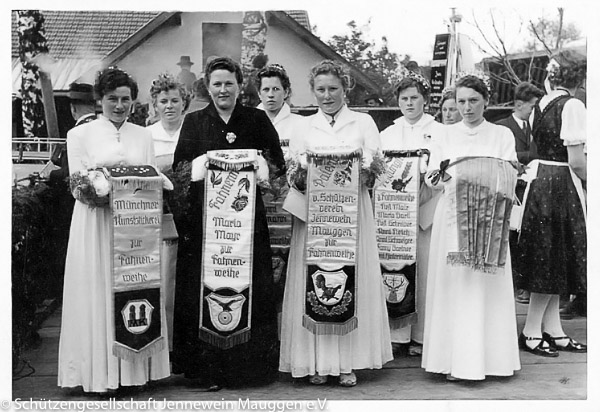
199,168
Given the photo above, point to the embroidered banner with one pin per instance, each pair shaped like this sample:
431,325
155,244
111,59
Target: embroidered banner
396,208
332,241
227,251
485,189
280,225
136,205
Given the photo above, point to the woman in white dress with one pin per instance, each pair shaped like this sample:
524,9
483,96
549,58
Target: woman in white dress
170,100
368,346
274,90
470,324
85,350
415,130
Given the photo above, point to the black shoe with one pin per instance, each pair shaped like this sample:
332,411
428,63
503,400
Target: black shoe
540,349
572,345
522,296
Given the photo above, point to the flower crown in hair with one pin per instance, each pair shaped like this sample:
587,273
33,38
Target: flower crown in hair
480,75
276,67
553,69
163,78
404,73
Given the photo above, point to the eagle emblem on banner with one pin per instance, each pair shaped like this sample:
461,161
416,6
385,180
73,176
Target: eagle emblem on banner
225,311
329,286
137,315
395,287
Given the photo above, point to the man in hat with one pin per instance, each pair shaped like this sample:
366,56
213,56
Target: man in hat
185,76
373,100
83,110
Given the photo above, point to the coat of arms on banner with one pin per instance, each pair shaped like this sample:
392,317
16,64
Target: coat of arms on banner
137,315
395,286
225,311
329,286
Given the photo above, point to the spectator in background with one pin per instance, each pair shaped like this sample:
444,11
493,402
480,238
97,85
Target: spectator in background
449,113
185,76
373,100
83,110
200,96
526,97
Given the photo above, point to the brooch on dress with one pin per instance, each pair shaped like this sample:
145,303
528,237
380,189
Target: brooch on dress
426,136
231,137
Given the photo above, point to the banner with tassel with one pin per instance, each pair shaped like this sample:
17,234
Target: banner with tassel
333,186
136,205
228,247
396,208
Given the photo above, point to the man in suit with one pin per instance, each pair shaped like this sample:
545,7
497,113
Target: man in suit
83,110
526,97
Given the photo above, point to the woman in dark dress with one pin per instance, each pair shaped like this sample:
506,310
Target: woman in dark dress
212,128
552,247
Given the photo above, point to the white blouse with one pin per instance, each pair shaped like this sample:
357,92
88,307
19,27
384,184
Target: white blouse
164,145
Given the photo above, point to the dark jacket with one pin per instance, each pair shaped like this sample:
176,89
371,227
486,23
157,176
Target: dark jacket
526,151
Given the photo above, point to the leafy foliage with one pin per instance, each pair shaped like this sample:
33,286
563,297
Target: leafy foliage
379,63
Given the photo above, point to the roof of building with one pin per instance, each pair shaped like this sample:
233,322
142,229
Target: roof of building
80,40
95,34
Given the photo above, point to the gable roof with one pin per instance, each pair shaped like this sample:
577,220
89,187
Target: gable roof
86,34
95,34
80,40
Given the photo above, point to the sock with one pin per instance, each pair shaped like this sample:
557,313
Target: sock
535,312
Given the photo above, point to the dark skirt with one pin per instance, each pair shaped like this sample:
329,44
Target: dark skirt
252,363
551,254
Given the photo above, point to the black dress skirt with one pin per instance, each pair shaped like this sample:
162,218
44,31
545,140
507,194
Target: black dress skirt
551,254
254,362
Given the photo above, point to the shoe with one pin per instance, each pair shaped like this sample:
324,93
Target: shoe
522,296
571,346
317,379
540,349
415,349
451,378
348,379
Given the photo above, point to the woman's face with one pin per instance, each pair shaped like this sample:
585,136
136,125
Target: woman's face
116,104
450,113
169,105
411,104
471,105
329,92
224,89
272,95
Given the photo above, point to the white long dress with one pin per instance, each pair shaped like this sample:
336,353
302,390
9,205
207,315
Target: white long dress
85,350
470,323
368,346
404,136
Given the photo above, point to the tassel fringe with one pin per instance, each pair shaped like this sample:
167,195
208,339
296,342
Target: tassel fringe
143,183
320,328
225,342
130,355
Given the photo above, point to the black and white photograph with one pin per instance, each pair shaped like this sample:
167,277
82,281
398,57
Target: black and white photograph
301,206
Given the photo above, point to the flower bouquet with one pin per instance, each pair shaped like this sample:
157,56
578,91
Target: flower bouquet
372,169
91,187
297,174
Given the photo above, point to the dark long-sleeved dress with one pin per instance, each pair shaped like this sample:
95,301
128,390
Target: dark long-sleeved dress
256,361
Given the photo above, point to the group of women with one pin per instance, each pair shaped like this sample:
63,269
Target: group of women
467,324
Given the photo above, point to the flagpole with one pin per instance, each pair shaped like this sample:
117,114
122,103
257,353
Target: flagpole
453,68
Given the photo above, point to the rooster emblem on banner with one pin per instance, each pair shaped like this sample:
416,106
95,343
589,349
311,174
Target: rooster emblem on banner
329,287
